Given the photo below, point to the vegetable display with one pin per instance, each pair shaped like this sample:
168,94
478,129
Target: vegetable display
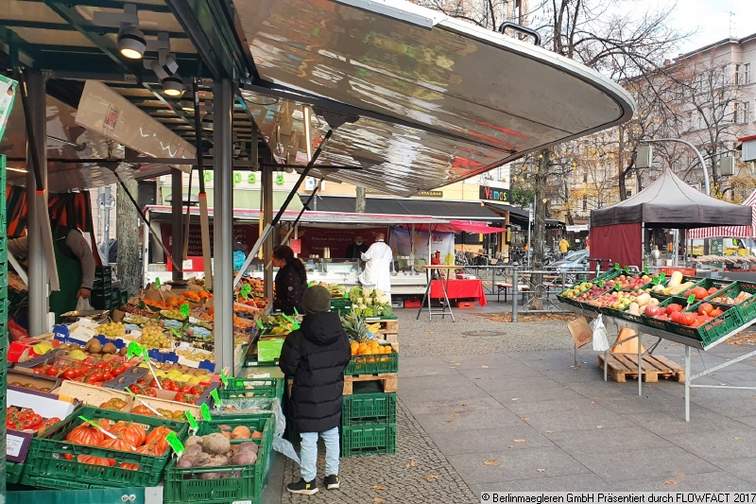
27,420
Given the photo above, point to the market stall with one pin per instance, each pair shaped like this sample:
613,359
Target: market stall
617,232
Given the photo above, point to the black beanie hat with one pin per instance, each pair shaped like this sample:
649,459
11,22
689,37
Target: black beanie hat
316,299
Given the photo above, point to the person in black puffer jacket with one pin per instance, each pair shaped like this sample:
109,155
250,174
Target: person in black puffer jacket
315,356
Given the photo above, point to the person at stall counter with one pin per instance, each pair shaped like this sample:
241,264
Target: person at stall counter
316,356
75,264
377,272
356,248
291,281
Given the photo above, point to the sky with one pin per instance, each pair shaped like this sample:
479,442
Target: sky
709,20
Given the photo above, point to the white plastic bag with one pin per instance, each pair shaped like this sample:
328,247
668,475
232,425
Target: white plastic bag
600,341
281,445
83,305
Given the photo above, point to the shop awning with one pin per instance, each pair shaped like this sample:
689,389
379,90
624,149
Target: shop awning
442,209
730,231
474,227
416,99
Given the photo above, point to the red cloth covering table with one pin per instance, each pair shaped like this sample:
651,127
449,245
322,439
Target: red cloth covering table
459,289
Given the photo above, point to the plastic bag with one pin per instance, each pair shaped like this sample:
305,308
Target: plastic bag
600,341
83,305
281,445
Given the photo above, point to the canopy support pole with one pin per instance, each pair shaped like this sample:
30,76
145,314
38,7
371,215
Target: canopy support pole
267,219
177,224
269,228
295,224
39,266
223,293
202,196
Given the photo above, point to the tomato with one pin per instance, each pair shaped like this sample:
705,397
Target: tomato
716,312
705,308
700,292
712,290
676,317
52,371
69,374
673,307
687,318
180,397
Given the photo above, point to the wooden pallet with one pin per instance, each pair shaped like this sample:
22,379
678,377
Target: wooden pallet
624,367
389,381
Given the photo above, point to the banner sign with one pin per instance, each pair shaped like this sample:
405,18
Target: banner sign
494,194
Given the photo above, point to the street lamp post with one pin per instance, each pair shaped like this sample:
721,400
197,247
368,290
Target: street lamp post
698,153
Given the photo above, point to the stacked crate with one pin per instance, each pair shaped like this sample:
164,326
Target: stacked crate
3,311
368,413
102,289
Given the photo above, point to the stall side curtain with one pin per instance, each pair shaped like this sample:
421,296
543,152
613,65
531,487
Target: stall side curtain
620,243
66,209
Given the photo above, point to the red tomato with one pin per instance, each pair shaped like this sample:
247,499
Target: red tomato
676,317
705,308
700,292
674,307
687,318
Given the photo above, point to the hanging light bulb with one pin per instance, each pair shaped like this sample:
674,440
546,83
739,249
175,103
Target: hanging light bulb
173,86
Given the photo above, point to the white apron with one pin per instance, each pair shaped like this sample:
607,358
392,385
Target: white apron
377,273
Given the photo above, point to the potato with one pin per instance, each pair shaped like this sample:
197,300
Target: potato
245,457
210,476
247,447
226,434
216,444
217,461
193,440
241,432
185,463
257,435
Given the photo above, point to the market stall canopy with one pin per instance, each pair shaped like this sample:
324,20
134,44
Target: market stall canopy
333,219
473,227
671,203
441,209
416,99
730,231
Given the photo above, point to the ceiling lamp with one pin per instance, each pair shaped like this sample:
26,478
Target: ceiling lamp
173,86
131,42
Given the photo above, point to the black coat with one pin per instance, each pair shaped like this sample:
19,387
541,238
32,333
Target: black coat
290,286
316,356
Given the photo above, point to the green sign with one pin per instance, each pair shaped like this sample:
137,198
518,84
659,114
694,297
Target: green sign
175,443
192,421
208,175
252,178
280,179
237,178
617,287
205,412
216,398
245,291
134,349
691,299
7,97
184,310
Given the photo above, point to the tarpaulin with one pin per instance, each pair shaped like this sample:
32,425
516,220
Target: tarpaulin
459,289
620,243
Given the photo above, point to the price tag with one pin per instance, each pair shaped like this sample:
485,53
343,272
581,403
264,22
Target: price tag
600,283
192,421
617,287
216,397
175,443
245,291
205,413
134,349
157,282
691,299
96,426
224,377
616,267
184,310
259,324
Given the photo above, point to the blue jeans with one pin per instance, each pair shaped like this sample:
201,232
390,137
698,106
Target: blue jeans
309,453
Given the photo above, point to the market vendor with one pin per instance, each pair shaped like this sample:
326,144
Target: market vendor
377,273
291,281
356,248
75,264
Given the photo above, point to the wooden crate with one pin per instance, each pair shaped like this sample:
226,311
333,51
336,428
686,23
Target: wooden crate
623,367
388,382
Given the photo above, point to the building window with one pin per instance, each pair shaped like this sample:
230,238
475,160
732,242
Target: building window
746,112
742,112
747,73
743,74
629,192
585,203
585,176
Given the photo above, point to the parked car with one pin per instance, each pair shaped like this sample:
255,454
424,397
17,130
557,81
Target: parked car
575,260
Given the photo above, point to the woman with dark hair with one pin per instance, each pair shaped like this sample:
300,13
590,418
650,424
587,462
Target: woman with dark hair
291,280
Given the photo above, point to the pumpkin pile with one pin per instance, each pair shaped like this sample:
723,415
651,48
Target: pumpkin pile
128,437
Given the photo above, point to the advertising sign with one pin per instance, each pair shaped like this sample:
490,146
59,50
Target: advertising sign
496,194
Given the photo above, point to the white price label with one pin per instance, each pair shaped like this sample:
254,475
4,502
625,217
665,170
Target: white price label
13,445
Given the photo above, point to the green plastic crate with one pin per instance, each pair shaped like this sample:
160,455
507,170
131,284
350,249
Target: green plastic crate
373,364
48,457
342,306
370,407
13,472
368,439
245,482
241,388
720,326
747,308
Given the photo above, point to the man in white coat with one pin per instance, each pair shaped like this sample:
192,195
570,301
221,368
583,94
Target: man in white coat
377,273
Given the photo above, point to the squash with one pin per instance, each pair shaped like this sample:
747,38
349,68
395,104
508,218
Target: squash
85,435
94,460
675,279
118,444
132,433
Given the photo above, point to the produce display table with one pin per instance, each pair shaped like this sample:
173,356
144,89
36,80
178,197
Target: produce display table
459,289
703,337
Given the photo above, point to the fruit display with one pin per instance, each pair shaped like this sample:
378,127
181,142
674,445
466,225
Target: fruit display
640,303
153,337
676,313
95,346
628,282
119,435
278,324
92,370
674,287
582,291
194,354
370,303
112,330
369,347
27,420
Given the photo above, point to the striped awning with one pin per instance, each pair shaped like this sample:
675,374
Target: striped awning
729,231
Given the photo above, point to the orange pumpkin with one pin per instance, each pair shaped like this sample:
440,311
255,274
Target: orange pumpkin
93,460
132,433
118,444
85,435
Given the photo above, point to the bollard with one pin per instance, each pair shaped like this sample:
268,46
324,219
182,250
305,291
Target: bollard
515,288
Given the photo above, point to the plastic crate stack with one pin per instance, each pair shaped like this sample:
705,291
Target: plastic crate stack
368,412
3,308
104,297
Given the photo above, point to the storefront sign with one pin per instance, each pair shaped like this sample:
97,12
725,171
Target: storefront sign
431,194
494,194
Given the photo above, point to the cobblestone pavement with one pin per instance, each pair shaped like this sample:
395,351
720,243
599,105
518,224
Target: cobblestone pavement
418,473
488,405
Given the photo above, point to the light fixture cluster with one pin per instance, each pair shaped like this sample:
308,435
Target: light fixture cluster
132,44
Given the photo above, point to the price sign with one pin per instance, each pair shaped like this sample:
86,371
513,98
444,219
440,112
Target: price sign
600,283
617,287
216,397
245,291
134,349
175,443
224,377
616,267
192,421
691,299
205,413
